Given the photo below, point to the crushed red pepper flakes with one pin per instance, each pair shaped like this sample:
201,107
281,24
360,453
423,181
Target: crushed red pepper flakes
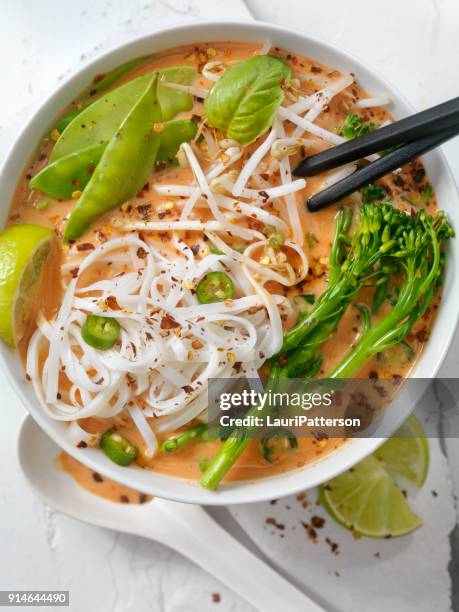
216,597
85,246
82,444
97,477
333,546
112,303
168,322
272,521
317,521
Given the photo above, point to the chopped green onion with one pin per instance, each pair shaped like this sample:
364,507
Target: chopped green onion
311,240
172,444
203,464
214,249
373,192
100,332
215,287
275,238
118,449
426,194
355,126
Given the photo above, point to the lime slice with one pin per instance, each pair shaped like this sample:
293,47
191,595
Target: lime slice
24,250
366,499
407,453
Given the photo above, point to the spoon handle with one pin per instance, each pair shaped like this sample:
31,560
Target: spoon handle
192,532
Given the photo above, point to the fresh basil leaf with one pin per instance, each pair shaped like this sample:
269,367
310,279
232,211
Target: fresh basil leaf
245,100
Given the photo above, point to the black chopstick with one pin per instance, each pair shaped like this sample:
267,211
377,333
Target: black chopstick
379,168
419,125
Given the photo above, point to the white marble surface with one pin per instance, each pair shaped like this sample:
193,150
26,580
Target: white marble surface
413,42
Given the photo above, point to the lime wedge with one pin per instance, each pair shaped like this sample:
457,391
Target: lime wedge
366,499
24,250
406,454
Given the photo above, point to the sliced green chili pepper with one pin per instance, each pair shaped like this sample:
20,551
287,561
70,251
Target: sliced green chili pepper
215,287
124,166
280,433
100,332
118,449
171,445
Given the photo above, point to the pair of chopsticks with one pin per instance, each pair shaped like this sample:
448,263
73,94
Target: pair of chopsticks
412,136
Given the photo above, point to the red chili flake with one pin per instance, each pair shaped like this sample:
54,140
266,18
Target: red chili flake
421,335
101,236
90,169
28,177
98,78
188,388
216,597
124,499
85,246
112,303
75,182
141,253
316,69
312,533
144,209
373,375
82,444
143,498
399,181
272,521
168,322
195,249
264,196
317,522
97,477
333,546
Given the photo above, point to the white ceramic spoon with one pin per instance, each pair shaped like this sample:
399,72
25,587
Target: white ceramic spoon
184,527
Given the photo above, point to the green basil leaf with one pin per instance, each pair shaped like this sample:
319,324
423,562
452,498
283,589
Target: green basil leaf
245,100
124,165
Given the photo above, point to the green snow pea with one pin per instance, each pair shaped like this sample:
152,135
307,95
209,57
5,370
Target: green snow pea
174,133
97,123
245,100
124,165
95,89
73,172
68,174
171,100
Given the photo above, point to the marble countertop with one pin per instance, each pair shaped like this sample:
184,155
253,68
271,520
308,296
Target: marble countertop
414,43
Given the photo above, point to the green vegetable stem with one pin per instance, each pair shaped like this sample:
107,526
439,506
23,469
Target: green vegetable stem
172,444
415,245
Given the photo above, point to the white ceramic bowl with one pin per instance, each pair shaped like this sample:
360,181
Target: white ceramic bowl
432,356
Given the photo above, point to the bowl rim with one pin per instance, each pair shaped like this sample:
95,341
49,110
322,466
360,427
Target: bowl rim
234,492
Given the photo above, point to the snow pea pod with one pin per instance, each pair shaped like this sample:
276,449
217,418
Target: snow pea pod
172,101
95,89
68,174
73,172
174,133
124,165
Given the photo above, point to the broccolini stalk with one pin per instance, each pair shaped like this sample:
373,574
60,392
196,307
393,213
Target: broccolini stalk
422,260
353,263
416,245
